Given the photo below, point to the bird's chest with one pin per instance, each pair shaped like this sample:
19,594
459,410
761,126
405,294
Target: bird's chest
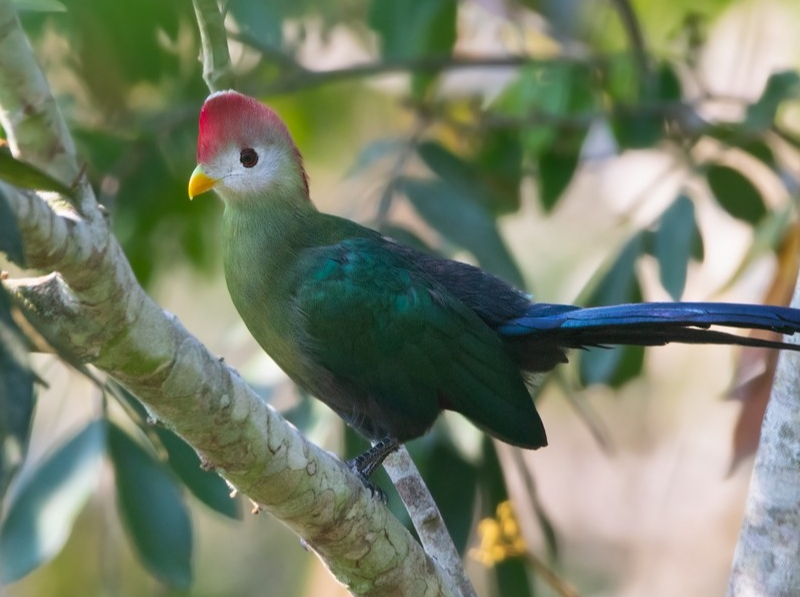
260,278
266,307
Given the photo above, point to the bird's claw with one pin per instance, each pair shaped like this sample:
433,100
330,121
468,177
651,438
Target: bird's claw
375,492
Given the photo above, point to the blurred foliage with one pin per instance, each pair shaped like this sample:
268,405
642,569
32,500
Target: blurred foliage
130,85
17,396
25,176
40,518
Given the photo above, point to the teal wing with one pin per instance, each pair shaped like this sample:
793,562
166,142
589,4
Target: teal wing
396,347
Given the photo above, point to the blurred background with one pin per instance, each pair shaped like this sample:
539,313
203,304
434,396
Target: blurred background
589,152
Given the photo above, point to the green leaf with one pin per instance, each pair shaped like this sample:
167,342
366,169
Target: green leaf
113,47
152,507
620,285
561,96
207,486
513,577
636,129
145,206
736,135
25,176
464,223
447,165
41,516
415,29
669,84
556,170
635,123
492,180
499,162
522,98
551,100
264,20
698,248
622,80
780,87
39,6
674,244
17,397
736,193
10,238
760,150
768,234
627,365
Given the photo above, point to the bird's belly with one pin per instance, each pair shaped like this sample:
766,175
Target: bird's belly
375,416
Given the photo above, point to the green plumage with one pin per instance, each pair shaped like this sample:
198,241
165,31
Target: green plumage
388,336
363,327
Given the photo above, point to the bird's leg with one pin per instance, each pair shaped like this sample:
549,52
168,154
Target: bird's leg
365,464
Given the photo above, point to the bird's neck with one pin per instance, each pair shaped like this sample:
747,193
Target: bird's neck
260,239
260,245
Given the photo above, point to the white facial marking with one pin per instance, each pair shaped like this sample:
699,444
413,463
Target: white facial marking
236,181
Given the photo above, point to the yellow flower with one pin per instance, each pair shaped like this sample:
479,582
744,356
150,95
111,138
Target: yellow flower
500,537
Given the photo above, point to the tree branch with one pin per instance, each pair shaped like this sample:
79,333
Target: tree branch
627,15
217,71
306,78
96,309
765,561
426,517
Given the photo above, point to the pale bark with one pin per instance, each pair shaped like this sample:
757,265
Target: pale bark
767,558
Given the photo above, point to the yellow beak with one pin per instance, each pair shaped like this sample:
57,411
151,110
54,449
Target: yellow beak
200,182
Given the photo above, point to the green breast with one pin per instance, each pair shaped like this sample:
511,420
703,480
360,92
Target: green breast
259,256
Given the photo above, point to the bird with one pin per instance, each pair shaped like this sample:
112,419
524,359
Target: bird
389,336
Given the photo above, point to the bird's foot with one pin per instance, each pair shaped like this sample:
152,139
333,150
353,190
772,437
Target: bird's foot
365,464
375,492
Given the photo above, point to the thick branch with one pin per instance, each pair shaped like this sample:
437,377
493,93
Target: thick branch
765,561
114,325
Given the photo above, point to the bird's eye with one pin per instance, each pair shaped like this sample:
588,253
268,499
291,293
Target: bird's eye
248,157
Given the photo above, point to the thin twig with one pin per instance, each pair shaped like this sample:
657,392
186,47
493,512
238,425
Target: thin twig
549,576
630,23
217,70
597,428
312,78
271,53
409,147
426,518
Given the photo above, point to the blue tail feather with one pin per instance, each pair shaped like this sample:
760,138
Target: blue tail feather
650,324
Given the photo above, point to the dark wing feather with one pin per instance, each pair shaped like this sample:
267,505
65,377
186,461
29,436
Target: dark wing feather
405,347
